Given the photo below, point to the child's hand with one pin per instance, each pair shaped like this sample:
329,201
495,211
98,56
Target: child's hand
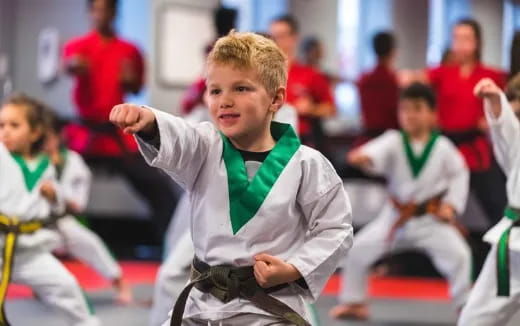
446,213
271,271
358,158
47,191
72,208
133,118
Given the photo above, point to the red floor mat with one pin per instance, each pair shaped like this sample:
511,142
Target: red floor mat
144,273
134,272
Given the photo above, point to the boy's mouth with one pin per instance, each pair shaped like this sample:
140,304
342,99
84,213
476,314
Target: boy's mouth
229,117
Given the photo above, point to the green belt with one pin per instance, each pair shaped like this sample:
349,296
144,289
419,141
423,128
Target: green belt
503,273
227,283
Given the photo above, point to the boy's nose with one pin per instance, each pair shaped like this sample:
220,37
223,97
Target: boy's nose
226,102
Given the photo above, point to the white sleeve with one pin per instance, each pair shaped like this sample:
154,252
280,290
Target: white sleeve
76,180
458,178
505,133
183,147
329,219
379,150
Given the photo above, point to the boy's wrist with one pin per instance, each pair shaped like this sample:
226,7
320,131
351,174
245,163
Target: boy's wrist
292,273
149,132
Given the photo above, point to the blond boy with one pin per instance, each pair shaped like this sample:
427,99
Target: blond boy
270,218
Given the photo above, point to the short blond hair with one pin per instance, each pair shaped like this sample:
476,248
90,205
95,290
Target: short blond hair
252,51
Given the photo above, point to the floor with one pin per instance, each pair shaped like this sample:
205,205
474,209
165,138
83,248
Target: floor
395,301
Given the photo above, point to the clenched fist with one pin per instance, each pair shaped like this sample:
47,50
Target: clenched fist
133,119
271,271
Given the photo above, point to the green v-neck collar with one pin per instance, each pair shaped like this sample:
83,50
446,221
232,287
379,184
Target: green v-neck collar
417,163
245,198
31,177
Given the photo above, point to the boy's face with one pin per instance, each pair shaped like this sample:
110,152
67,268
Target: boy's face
415,116
238,102
15,132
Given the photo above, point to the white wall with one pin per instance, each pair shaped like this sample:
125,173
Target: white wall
319,18
489,13
161,96
6,42
410,24
69,17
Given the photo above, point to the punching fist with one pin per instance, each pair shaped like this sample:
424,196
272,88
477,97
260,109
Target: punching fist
133,119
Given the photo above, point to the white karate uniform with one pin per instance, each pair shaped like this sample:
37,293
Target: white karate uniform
174,273
76,239
305,218
34,265
484,307
444,170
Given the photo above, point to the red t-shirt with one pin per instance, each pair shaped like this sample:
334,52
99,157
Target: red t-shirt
96,92
304,80
379,95
460,110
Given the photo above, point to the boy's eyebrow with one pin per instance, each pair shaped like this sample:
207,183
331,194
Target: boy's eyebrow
240,81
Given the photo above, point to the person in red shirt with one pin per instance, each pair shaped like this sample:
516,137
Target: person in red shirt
379,95
379,89
308,90
461,115
105,68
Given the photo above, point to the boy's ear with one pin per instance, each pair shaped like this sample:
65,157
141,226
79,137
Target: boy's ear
278,99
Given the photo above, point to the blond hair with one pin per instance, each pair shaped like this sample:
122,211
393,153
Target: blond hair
252,51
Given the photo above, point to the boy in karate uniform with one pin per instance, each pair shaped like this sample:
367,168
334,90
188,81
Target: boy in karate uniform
495,297
428,186
270,218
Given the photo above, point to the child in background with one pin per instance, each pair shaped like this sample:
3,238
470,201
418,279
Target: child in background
428,187
74,178
28,200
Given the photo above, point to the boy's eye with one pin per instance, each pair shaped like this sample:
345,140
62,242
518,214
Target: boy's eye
242,88
215,91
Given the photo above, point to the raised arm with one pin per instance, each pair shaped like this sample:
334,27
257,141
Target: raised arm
503,123
167,142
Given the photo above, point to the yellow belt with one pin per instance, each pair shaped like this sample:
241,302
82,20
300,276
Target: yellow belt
12,227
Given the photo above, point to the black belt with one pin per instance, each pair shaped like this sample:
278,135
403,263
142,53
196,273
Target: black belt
463,137
103,128
12,227
227,283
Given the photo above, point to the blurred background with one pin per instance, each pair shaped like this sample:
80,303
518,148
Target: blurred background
173,35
